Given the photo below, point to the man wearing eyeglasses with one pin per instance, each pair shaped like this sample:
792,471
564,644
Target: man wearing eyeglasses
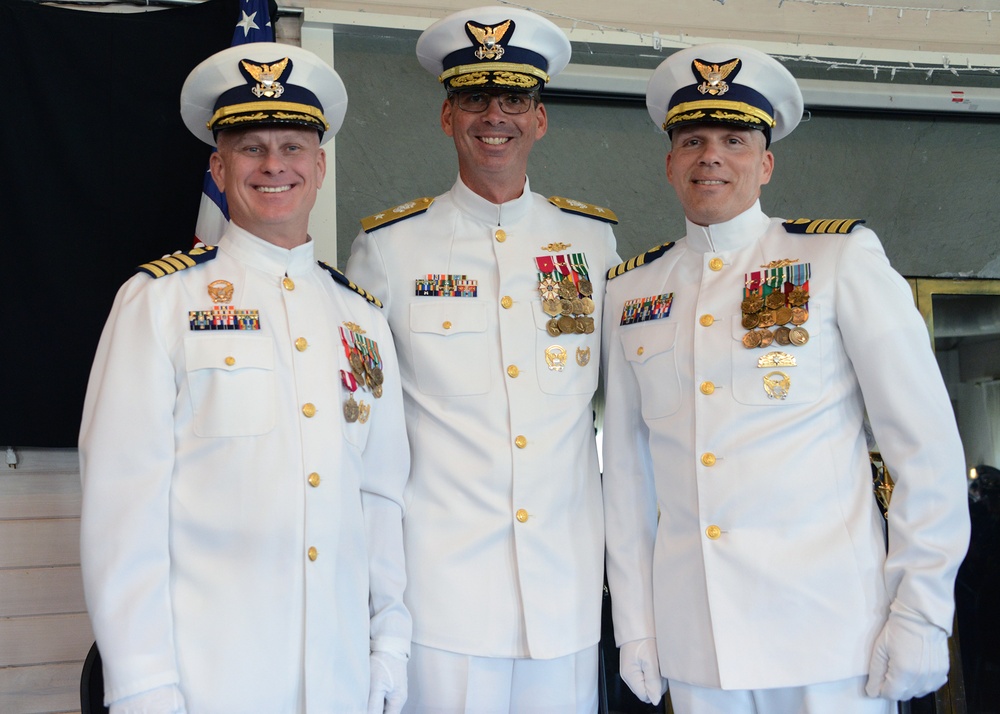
494,296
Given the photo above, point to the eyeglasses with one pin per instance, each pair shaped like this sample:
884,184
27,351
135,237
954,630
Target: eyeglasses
510,102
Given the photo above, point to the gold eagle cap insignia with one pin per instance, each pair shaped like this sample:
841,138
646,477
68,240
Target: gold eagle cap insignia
266,76
715,76
489,37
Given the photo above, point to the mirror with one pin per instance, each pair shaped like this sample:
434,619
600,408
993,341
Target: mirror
963,320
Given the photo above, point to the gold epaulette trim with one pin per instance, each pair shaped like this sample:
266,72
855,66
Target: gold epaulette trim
347,283
584,209
642,259
397,213
822,225
170,264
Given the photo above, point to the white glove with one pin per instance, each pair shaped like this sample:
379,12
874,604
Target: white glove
640,668
162,700
388,683
909,659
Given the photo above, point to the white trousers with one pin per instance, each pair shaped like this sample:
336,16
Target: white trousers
441,682
840,697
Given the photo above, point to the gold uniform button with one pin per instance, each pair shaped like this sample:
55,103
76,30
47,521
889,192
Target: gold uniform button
706,320
312,553
301,344
287,283
715,264
713,532
640,350
314,479
513,371
309,409
500,235
506,301
230,361
707,387
708,459
521,515
520,442
446,324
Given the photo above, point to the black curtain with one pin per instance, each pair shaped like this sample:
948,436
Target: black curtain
99,175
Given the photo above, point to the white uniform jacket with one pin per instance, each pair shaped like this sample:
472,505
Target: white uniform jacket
239,537
768,566
504,530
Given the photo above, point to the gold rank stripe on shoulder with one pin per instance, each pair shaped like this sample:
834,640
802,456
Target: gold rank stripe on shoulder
343,280
170,264
584,209
642,259
395,214
822,225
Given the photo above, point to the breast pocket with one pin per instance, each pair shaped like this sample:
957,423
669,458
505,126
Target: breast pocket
450,347
567,364
779,375
232,385
649,350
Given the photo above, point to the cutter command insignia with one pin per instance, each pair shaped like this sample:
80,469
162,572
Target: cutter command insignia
343,280
395,214
642,259
584,209
822,225
170,264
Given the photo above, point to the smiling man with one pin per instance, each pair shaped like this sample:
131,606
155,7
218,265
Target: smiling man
494,296
243,449
746,551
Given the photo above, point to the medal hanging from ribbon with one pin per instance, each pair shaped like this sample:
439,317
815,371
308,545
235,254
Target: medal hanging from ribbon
567,293
372,361
776,297
351,409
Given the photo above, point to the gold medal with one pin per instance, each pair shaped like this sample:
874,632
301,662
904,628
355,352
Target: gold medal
751,339
750,321
783,315
576,305
567,325
548,289
552,327
798,297
781,336
586,287
377,391
799,315
798,336
364,411
357,364
774,300
752,304
767,318
567,288
588,325
552,307
580,326
766,337
351,411
566,306
376,374
588,306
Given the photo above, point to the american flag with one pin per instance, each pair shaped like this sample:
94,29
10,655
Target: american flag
254,25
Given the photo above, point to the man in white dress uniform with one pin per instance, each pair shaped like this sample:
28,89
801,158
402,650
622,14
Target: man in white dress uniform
494,296
747,555
243,449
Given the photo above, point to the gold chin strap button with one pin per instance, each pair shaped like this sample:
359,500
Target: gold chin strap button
715,264
521,515
287,283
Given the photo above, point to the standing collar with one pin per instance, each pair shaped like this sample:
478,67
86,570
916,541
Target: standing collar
470,202
734,234
267,257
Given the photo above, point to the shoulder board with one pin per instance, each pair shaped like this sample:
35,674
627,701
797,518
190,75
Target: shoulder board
395,214
648,257
170,264
822,225
584,209
342,279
